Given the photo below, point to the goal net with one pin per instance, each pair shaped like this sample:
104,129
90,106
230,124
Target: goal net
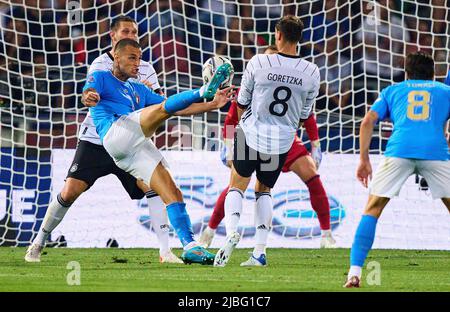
359,46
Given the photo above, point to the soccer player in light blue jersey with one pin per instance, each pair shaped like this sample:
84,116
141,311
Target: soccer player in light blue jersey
419,109
126,114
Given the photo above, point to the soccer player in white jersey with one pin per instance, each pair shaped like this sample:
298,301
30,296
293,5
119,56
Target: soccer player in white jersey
303,163
92,161
277,93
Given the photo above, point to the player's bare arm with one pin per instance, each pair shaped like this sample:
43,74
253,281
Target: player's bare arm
240,111
90,97
364,171
221,98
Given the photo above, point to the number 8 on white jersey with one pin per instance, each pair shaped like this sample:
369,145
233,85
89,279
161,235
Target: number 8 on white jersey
279,91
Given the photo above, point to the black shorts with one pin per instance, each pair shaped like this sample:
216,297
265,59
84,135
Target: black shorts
246,160
92,161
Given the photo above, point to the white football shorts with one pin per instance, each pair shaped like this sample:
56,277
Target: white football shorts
130,149
392,173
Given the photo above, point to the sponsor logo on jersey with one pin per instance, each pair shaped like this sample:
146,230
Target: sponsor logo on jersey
91,78
74,167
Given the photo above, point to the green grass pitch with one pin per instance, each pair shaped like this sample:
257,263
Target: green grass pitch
289,270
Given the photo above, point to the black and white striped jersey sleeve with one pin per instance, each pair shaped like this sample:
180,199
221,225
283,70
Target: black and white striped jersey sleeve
311,95
247,84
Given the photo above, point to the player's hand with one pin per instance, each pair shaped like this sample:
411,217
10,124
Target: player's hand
316,153
90,98
223,96
364,172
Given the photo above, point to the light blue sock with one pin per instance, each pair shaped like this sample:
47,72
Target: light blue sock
182,100
181,222
362,243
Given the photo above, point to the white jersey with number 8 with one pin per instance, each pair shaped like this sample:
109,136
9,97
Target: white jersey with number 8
279,91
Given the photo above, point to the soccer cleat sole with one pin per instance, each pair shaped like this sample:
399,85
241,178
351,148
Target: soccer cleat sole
224,254
222,73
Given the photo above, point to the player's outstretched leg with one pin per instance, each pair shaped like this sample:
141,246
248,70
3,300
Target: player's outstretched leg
217,216
56,211
162,183
151,117
364,237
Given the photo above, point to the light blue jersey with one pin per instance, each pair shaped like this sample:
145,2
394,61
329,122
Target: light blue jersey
447,79
117,98
419,110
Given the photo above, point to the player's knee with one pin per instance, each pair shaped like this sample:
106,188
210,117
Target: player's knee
375,205
69,195
261,187
304,168
72,190
373,211
175,195
179,194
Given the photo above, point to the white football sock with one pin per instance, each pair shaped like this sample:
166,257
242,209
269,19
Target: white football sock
54,215
233,209
160,222
263,221
355,271
259,250
209,230
325,232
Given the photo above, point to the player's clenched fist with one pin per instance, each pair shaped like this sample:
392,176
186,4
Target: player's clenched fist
90,97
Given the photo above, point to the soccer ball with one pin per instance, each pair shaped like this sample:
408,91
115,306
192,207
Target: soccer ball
210,66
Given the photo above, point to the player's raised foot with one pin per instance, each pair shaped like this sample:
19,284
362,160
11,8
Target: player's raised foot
222,73
206,237
252,261
327,241
197,254
352,282
169,257
34,253
224,253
